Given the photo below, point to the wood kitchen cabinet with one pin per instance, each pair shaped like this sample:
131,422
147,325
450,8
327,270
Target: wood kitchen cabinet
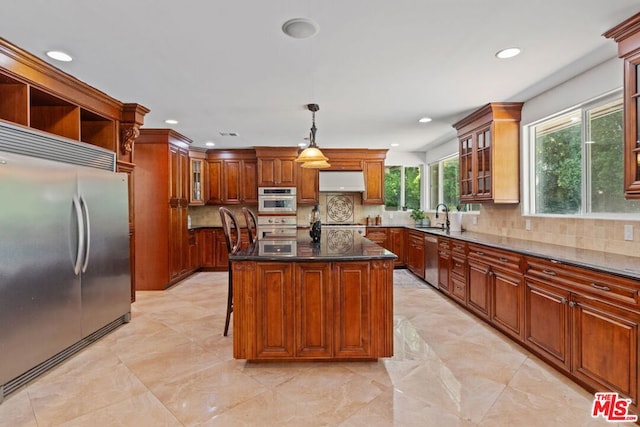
444,264
586,323
395,243
489,154
232,177
627,35
458,272
496,287
277,166
162,189
197,178
378,235
313,310
374,182
415,252
308,185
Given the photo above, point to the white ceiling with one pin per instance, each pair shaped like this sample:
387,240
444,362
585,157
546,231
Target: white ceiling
374,68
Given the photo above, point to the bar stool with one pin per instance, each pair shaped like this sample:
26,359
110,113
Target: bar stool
252,224
232,236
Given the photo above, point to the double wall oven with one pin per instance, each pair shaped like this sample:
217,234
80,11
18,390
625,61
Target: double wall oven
277,210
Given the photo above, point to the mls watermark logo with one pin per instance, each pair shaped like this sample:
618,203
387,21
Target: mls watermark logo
612,408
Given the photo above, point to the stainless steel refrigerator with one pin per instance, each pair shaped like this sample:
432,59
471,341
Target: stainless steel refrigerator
64,251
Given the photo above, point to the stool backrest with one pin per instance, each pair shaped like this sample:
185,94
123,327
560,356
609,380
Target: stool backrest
252,224
231,229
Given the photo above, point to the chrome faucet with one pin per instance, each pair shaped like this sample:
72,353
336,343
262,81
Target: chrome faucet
446,215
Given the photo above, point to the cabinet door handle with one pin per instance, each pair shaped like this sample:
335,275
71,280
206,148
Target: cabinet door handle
572,304
504,260
563,300
479,253
601,287
549,272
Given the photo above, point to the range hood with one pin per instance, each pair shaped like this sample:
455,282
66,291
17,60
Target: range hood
342,181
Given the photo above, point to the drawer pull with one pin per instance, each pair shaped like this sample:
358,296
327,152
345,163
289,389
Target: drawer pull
563,300
549,272
601,287
479,253
504,260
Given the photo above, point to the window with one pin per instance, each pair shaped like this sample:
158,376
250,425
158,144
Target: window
402,187
444,185
576,162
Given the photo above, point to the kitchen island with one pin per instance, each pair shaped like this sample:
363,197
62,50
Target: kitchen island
296,300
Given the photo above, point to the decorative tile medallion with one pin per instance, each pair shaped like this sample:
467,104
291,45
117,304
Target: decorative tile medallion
339,241
339,208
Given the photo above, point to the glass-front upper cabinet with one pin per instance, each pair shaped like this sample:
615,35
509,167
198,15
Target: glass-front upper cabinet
627,35
197,178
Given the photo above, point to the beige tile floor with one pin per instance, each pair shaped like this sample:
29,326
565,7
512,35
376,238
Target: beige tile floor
171,366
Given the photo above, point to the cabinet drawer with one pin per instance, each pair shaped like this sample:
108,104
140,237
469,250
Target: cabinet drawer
444,244
458,267
458,289
496,257
459,247
606,287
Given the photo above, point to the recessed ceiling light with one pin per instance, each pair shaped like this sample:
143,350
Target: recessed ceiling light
425,120
59,56
210,144
302,144
509,52
171,121
300,28
395,144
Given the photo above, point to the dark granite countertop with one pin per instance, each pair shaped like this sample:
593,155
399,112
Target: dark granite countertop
621,265
334,245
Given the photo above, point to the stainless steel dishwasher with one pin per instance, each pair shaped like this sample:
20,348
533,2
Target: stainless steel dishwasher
431,260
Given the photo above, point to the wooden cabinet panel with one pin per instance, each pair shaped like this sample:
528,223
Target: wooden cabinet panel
277,166
489,154
374,183
444,264
605,347
547,322
274,311
415,253
352,308
377,235
314,310
307,188
626,35
232,177
194,251
508,303
207,246
395,243
479,288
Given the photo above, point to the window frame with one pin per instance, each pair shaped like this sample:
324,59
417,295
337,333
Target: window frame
402,201
529,170
440,164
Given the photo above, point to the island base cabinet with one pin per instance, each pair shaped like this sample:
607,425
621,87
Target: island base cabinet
274,311
312,310
605,347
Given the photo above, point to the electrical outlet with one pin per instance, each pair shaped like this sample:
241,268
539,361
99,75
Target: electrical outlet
527,224
628,232
390,215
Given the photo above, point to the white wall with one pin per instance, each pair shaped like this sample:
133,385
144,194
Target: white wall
403,158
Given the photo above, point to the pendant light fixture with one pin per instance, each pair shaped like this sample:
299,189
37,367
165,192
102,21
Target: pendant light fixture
312,157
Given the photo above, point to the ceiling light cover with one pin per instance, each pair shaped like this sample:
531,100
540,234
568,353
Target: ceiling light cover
319,164
508,53
300,28
59,56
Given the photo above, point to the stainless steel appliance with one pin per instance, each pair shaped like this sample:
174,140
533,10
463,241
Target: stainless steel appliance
277,226
277,200
277,246
431,260
64,245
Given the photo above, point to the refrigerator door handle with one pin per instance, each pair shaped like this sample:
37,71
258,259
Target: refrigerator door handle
87,229
80,226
